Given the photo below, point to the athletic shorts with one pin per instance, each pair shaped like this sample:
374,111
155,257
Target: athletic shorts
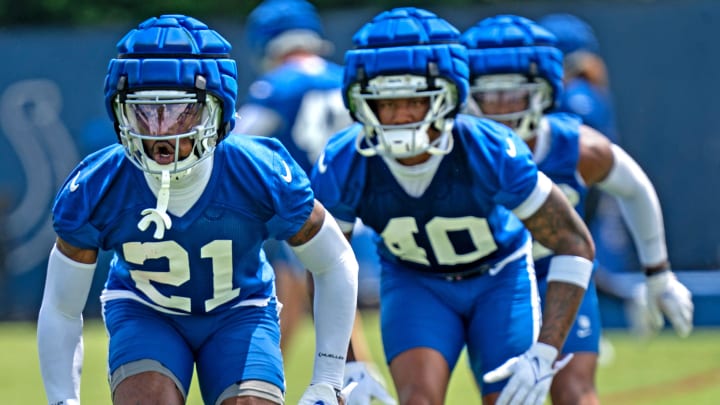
227,347
497,316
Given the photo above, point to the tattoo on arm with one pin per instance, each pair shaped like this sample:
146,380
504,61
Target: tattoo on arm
557,226
310,227
559,312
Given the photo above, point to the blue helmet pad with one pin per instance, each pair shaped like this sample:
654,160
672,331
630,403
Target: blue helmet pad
511,44
405,41
170,52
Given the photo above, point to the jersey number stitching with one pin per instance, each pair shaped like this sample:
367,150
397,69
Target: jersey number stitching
399,238
219,251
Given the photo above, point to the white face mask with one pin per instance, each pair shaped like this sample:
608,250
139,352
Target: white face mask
405,140
172,116
511,100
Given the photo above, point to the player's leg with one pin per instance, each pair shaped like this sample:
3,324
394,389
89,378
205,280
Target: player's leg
422,335
504,323
149,362
241,362
575,383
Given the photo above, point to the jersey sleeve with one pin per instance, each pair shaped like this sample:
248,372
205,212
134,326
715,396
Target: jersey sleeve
79,195
289,190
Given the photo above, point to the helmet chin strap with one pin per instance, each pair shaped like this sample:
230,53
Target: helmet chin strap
158,215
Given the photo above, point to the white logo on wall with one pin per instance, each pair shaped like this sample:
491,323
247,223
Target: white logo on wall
30,120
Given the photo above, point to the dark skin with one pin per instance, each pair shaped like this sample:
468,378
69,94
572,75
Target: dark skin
421,375
575,383
153,388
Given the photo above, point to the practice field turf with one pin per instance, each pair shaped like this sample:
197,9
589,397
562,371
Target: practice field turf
666,370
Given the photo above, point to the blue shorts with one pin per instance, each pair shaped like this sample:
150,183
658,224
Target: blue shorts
231,346
496,316
585,333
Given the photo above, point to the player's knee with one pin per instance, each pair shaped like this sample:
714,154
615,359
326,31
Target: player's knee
573,388
252,392
145,381
148,387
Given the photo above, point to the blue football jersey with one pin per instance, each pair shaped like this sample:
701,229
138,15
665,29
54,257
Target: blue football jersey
462,221
305,96
211,256
560,164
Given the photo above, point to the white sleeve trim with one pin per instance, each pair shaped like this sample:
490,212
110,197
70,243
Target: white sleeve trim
59,329
536,198
570,269
331,261
639,206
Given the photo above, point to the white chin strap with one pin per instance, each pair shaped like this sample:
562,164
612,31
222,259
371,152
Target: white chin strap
158,215
405,142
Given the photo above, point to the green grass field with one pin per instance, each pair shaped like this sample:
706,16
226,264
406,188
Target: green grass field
663,371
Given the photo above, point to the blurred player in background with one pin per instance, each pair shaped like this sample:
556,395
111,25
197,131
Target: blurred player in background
297,99
587,94
186,209
449,193
516,75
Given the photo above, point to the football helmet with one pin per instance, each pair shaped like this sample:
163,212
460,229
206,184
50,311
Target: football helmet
406,52
276,27
173,79
516,71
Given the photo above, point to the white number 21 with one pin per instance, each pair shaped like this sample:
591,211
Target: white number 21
219,251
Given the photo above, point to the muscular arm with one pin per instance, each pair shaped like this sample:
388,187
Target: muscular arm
59,329
557,226
615,172
323,249
77,254
596,157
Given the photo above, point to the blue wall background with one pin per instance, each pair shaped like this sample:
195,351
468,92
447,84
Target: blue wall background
662,59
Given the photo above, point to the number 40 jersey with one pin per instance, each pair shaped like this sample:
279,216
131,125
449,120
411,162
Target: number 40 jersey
462,221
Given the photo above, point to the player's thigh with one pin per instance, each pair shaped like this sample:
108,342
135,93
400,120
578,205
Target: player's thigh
144,341
505,321
245,348
420,375
575,383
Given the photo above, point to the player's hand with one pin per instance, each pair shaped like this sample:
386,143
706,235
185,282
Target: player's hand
530,375
369,385
320,394
666,295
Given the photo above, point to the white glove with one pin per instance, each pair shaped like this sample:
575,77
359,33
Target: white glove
369,385
319,394
530,375
666,295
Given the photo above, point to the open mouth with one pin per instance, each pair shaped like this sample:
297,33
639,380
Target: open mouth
163,152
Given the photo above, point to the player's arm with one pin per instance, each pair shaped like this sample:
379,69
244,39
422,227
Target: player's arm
59,331
326,253
616,173
556,225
